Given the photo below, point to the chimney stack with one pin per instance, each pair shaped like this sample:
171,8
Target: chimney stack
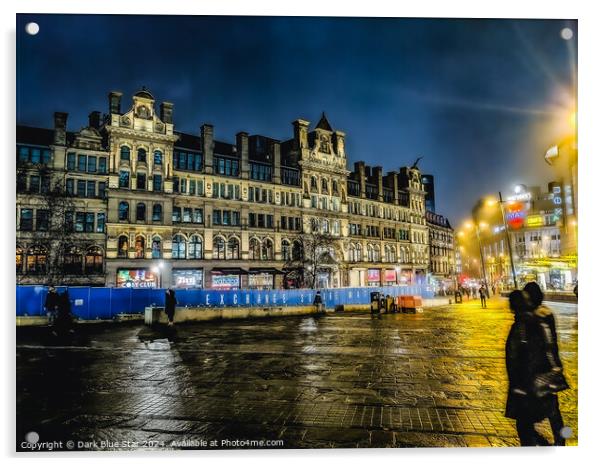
242,148
166,112
360,169
207,146
60,128
115,102
94,120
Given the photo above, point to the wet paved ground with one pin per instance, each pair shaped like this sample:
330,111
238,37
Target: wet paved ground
435,378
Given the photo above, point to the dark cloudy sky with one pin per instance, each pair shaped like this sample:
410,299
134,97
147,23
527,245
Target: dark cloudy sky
480,100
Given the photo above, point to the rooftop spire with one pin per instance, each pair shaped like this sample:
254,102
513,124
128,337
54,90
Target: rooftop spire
323,123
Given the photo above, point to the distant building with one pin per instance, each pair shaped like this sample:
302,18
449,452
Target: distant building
442,252
428,181
535,219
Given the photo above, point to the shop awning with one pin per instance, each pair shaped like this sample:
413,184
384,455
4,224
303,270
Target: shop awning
271,270
229,270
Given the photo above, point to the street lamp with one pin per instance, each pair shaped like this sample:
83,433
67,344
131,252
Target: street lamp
502,210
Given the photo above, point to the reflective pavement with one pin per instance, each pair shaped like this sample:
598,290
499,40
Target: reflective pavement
435,378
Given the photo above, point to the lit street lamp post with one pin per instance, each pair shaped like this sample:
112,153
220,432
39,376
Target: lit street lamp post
501,202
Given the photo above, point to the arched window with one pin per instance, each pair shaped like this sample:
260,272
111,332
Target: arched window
157,213
297,251
93,261
285,246
219,248
19,261
254,249
156,248
124,210
141,211
314,182
370,253
158,157
267,250
325,227
335,187
376,253
233,251
37,260
195,248
139,247
125,153
324,186
122,246
315,225
142,155
72,261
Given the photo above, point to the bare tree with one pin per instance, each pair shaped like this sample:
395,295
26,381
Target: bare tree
54,230
316,251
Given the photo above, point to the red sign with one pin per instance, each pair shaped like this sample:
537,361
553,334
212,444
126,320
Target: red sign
515,215
373,275
390,276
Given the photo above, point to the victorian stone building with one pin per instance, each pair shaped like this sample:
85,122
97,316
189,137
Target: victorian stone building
442,251
150,206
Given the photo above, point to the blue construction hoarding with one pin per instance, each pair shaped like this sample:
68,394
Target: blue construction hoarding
91,303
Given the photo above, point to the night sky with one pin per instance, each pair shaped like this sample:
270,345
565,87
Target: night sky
480,100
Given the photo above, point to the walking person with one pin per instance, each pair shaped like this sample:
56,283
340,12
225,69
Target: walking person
318,301
534,368
483,296
63,323
170,305
52,305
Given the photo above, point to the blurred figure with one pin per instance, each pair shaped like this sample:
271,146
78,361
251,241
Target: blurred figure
51,304
483,296
170,305
534,367
63,323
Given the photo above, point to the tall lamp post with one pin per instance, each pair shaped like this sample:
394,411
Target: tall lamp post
501,202
483,272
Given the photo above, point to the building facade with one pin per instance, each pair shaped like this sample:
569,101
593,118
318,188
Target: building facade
442,252
145,205
536,225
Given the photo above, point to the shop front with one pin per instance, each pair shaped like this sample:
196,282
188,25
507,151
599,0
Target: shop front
389,277
263,278
136,278
373,277
227,278
187,278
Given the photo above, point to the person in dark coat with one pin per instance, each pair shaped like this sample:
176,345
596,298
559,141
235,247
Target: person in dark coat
52,304
64,319
170,305
527,356
483,296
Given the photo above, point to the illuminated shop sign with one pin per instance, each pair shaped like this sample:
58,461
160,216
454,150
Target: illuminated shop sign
225,282
261,280
374,275
535,220
515,216
188,278
136,278
390,276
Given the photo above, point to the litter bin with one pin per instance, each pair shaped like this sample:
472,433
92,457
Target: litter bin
458,297
376,302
